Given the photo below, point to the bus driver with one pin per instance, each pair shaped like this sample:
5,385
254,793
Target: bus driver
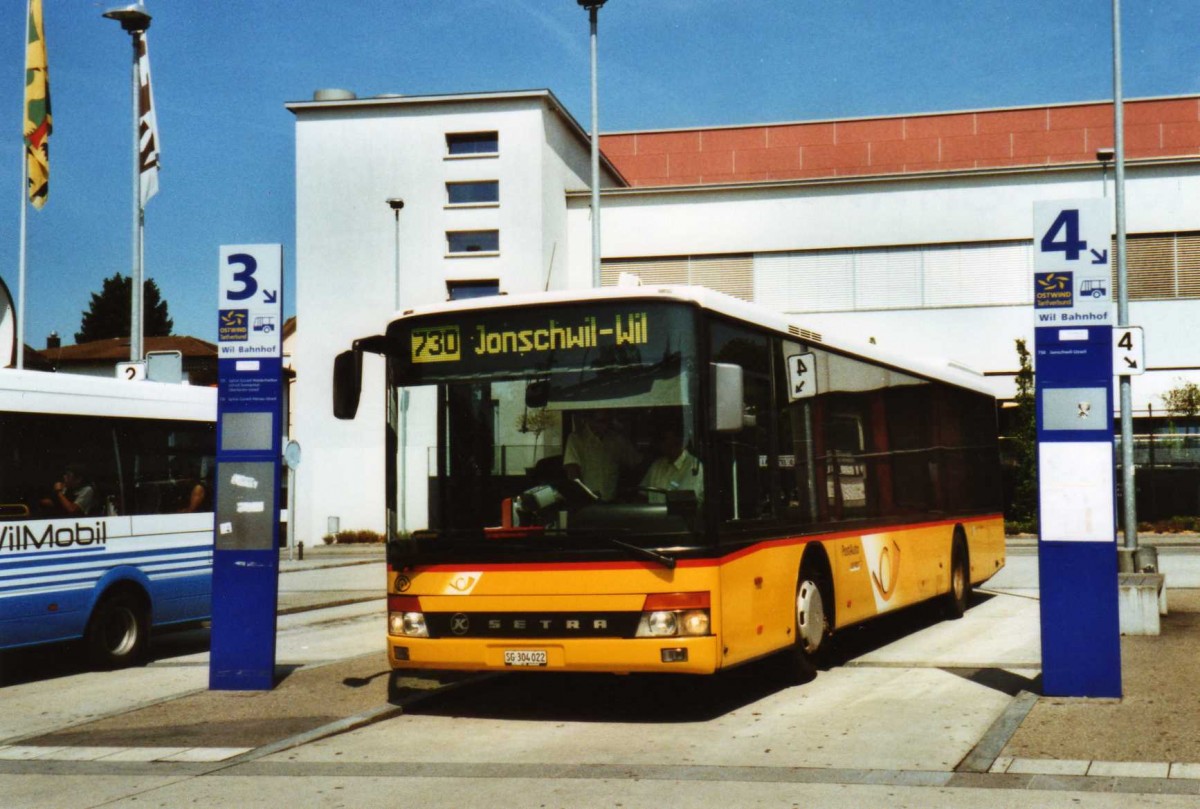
596,453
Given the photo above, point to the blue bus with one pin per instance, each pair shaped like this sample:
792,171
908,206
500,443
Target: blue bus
106,515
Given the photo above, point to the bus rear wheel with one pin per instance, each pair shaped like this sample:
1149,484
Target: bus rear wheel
955,602
118,633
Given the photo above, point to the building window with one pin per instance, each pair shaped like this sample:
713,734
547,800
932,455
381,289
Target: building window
472,144
460,290
478,192
462,242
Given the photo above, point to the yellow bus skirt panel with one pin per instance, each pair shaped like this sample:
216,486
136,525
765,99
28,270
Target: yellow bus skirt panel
985,539
619,655
752,597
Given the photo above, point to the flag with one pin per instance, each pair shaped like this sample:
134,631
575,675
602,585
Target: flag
37,109
147,127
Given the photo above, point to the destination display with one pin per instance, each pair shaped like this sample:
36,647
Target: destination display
522,339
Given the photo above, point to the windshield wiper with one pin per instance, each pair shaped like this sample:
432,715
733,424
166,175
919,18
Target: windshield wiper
654,556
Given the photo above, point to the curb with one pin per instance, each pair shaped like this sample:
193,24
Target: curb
987,750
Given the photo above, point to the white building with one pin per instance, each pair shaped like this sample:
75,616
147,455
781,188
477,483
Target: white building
911,231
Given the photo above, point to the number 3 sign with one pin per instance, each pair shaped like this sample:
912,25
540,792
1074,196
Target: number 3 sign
250,300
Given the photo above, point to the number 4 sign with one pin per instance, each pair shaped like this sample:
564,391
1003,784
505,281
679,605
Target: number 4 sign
1129,352
1072,235
802,376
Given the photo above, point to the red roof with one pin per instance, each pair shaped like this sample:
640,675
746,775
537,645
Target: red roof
1030,136
117,349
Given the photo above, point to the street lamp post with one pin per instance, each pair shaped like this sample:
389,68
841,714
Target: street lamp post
134,21
401,400
396,204
1105,156
1128,480
593,9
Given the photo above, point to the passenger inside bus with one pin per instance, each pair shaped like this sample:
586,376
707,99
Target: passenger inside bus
74,495
199,496
675,468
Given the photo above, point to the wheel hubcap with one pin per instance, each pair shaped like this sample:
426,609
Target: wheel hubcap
120,632
810,616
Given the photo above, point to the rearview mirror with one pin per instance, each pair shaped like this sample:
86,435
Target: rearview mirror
726,397
347,384
537,394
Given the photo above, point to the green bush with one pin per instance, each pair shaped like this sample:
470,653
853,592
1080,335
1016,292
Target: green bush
1014,527
1173,525
353,538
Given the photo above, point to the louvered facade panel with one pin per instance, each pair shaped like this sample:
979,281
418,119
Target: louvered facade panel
651,271
887,279
1187,264
805,282
1149,266
990,274
733,275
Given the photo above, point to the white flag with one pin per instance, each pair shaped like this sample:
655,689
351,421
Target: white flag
147,127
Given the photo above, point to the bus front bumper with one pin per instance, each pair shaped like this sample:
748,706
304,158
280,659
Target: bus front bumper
682,655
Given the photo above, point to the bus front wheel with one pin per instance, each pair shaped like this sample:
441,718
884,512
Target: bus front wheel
119,631
812,626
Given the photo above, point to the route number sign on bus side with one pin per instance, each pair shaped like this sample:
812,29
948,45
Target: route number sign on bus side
802,376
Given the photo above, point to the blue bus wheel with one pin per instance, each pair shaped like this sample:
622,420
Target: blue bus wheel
118,632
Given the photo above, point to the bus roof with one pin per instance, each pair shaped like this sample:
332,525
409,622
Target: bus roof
42,392
940,369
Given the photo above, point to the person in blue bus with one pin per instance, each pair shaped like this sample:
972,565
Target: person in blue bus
75,494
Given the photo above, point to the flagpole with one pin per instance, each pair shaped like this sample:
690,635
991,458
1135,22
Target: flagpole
135,315
24,212
21,265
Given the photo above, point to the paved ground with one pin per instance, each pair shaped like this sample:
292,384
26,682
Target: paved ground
1157,720
918,712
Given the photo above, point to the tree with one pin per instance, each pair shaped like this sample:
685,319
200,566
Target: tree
1025,495
1183,400
108,313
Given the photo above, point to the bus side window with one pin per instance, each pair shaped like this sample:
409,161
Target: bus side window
797,461
36,450
745,462
171,464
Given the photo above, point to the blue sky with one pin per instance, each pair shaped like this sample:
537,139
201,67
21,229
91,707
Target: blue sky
222,72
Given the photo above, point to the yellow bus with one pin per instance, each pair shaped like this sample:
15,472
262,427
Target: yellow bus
665,479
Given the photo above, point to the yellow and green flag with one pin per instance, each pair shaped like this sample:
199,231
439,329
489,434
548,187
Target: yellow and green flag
37,108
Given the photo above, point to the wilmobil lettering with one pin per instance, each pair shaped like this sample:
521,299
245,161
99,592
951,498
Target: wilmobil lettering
27,538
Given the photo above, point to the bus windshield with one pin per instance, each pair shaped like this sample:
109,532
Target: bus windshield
572,424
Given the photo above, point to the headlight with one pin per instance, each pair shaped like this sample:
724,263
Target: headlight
669,615
410,624
405,617
661,624
695,622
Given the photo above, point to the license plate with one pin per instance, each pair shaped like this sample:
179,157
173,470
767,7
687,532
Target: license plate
524,657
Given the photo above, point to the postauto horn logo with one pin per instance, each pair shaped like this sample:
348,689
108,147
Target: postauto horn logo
1053,290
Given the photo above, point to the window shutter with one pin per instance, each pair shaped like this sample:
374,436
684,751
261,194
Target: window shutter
1149,266
1187,264
733,275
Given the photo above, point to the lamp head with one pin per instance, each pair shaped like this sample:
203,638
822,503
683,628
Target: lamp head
591,5
395,203
134,19
1105,154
